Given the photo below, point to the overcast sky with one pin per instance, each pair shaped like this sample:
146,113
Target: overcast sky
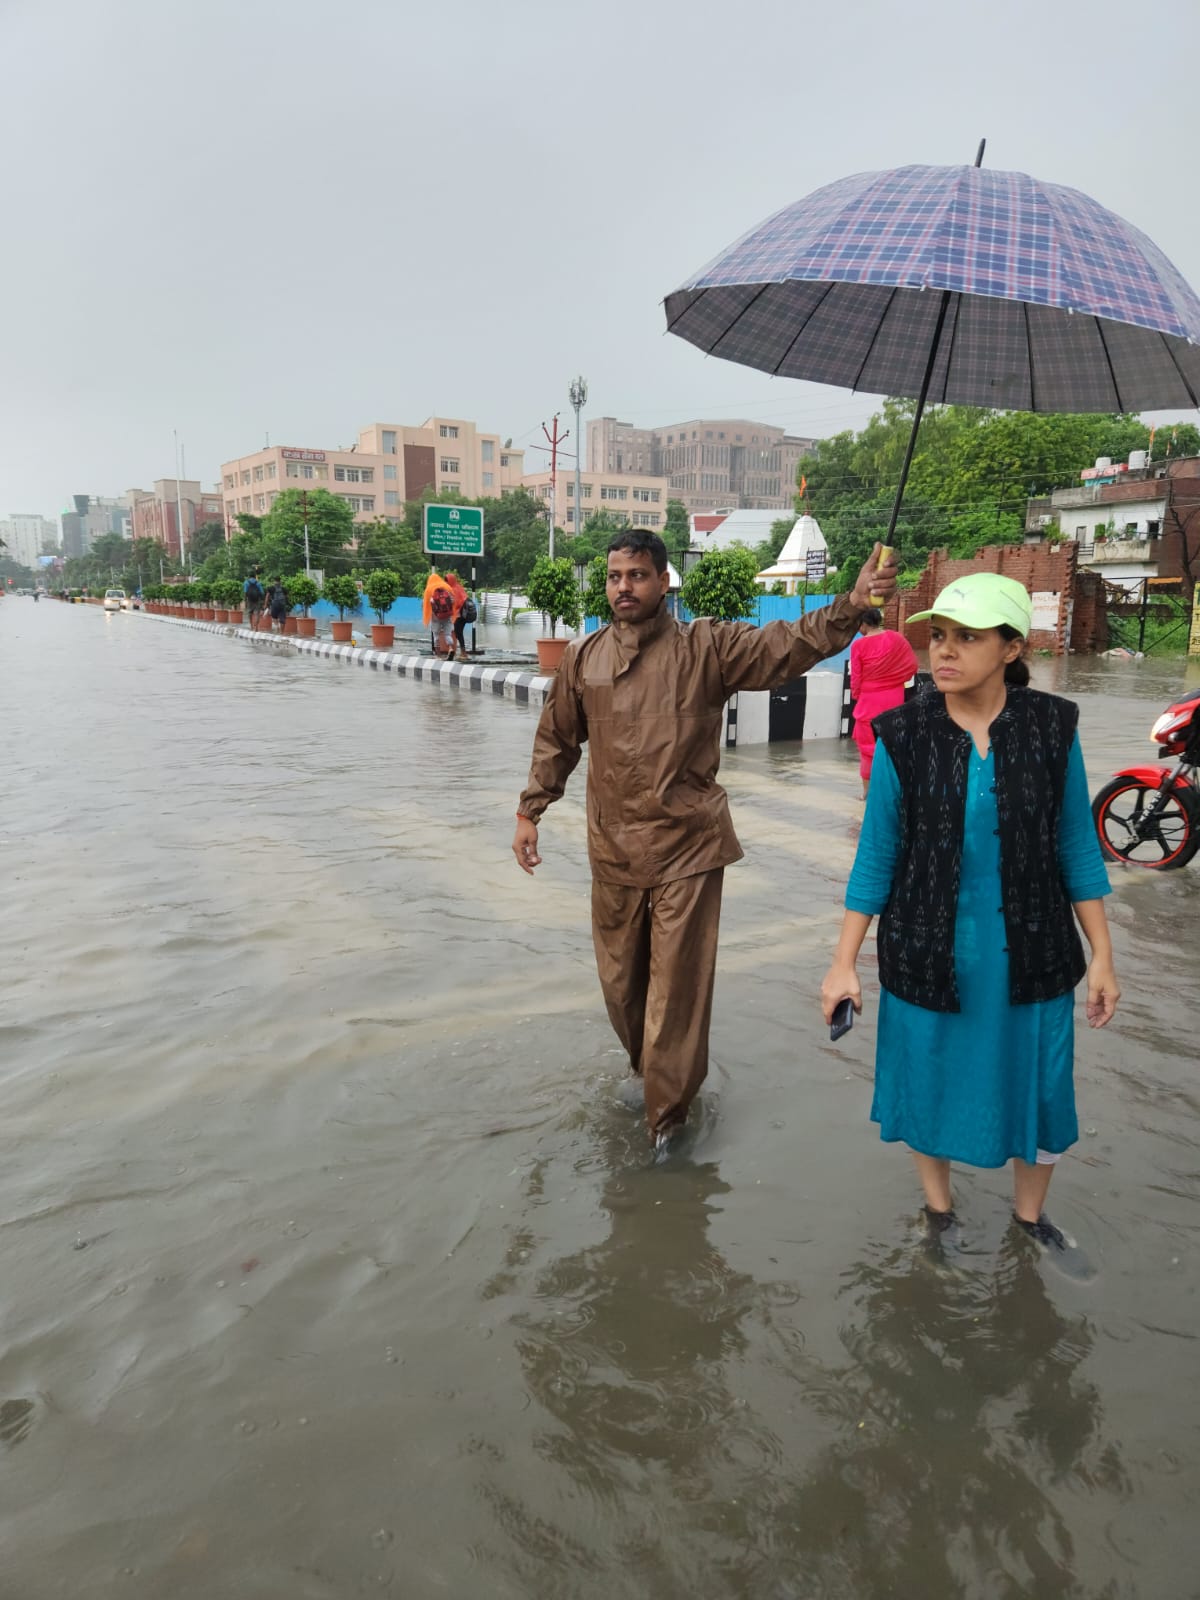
294,217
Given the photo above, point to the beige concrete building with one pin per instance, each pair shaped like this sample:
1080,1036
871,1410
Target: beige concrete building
711,465
391,463
636,502
155,512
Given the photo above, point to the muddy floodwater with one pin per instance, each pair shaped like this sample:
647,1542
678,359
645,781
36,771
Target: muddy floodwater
333,1266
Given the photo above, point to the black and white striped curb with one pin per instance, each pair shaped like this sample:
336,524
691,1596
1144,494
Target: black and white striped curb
518,683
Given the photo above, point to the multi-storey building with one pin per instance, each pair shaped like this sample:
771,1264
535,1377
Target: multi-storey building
26,535
635,502
711,465
156,512
391,463
93,516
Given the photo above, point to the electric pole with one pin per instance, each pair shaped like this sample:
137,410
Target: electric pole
555,439
304,508
578,398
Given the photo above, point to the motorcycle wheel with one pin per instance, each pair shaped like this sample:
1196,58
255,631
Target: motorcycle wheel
1118,811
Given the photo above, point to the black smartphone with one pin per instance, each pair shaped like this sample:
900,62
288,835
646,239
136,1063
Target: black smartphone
843,1018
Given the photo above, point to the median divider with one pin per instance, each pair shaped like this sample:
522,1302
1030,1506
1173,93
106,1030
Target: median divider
516,683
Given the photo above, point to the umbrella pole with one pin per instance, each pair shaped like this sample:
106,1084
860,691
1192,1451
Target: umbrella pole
921,398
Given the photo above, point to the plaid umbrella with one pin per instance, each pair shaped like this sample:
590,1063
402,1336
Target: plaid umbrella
1049,301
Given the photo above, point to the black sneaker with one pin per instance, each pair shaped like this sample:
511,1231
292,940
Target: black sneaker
937,1222
1044,1232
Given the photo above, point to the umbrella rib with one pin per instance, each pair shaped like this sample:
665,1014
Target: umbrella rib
958,300
712,349
1029,353
799,331
871,347
672,321
1179,370
1099,321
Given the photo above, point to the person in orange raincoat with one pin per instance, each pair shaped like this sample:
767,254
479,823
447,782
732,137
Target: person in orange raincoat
438,609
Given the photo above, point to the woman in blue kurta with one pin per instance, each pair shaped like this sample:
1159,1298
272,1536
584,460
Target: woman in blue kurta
976,1035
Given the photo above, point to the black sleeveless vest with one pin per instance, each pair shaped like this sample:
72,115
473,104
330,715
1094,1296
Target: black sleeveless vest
1031,740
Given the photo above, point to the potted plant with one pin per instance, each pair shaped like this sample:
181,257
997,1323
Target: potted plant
553,591
595,595
303,592
227,592
383,588
342,591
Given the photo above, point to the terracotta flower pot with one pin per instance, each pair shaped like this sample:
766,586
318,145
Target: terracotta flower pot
220,614
306,627
342,632
235,616
383,635
550,653
291,625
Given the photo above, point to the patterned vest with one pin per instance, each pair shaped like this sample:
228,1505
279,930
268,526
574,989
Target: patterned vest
1031,741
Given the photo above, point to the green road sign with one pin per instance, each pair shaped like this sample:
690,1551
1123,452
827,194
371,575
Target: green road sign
454,530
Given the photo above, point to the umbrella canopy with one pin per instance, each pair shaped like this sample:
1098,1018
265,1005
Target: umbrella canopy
1050,303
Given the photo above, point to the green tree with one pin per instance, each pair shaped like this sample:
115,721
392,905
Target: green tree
722,585
341,591
206,540
330,529
383,589
393,545
595,595
676,529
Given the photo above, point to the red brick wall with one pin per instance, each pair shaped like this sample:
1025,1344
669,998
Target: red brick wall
1041,568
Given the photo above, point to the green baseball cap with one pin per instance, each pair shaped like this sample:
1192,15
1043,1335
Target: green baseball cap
982,600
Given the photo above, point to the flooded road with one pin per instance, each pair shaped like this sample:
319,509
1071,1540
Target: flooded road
333,1266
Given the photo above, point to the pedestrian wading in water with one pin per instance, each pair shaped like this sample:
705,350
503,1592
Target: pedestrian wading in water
979,857
648,694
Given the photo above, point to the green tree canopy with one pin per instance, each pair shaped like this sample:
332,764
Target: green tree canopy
722,585
330,529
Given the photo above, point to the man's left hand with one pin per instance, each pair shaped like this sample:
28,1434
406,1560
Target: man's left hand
875,584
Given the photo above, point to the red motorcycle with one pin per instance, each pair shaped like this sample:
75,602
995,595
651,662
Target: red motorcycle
1150,816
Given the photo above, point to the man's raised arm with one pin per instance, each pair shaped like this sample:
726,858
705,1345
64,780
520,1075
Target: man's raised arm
764,658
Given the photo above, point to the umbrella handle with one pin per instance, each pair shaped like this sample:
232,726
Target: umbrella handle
886,553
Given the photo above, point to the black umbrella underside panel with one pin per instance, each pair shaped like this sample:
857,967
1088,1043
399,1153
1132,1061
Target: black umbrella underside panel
992,352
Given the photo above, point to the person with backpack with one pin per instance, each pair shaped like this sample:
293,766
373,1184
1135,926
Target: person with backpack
464,612
253,595
279,604
438,608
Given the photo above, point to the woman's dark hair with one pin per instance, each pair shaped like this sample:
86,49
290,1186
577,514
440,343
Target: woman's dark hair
872,616
640,541
1016,672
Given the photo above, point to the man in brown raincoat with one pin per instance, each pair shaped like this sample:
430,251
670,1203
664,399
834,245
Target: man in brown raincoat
648,694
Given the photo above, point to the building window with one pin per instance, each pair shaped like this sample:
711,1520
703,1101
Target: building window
260,502
449,464
642,494
587,491
269,469
301,469
503,461
246,475
258,474
359,502
245,502
611,492
229,480
487,451
391,497
390,474
389,441
448,431
346,474
488,480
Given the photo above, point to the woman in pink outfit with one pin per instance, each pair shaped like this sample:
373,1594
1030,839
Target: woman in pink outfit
881,663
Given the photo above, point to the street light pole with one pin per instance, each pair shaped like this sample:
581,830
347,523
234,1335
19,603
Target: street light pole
577,395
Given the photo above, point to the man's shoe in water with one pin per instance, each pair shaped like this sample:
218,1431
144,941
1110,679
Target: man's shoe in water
939,1221
667,1140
